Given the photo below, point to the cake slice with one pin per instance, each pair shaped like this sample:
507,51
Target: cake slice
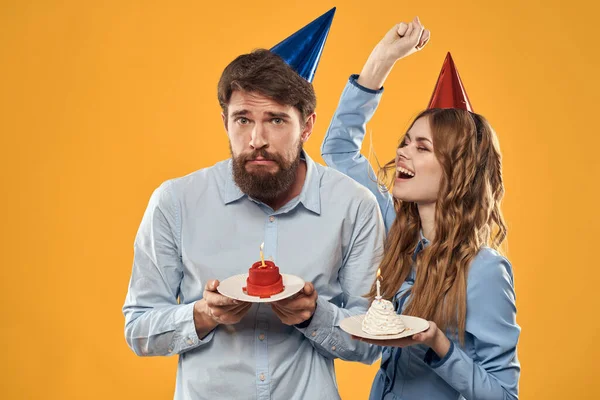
265,281
382,319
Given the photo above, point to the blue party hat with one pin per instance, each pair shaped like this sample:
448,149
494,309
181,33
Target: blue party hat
302,51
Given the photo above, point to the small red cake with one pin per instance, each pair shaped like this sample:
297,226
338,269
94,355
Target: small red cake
264,281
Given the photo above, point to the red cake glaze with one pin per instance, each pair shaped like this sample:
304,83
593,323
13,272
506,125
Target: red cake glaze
264,281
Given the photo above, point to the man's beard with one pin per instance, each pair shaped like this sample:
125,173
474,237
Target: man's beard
262,185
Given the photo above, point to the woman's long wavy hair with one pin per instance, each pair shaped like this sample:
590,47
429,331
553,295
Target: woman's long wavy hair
467,217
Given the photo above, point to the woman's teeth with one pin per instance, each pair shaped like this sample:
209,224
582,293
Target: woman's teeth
404,171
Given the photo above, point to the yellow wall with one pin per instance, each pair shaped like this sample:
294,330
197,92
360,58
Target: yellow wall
102,101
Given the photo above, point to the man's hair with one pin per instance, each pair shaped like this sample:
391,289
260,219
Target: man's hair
266,73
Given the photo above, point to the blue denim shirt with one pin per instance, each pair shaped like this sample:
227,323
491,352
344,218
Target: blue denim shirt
202,227
486,367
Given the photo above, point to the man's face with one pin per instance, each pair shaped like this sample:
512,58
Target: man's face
265,139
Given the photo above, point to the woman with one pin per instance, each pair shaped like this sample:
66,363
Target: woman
444,228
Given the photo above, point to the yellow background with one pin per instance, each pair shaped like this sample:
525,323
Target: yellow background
101,101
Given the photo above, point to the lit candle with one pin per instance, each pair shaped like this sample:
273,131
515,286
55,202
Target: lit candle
378,284
262,257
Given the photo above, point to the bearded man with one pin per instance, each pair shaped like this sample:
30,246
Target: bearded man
207,226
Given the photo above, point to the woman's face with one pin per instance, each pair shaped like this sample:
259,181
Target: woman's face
418,171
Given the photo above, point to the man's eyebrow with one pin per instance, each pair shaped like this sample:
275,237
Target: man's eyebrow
278,114
239,113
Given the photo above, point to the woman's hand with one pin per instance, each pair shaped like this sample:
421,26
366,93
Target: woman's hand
402,40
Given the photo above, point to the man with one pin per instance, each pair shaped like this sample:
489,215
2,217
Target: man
205,227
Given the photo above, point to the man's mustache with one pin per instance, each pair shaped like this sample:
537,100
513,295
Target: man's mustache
259,153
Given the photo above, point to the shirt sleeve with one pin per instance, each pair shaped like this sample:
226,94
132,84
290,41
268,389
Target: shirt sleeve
491,320
341,147
155,323
356,277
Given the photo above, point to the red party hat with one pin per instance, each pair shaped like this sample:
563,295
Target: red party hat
449,91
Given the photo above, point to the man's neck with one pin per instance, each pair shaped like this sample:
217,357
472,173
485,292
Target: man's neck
293,191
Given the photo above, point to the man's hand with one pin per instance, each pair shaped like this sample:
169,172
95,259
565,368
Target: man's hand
299,308
215,309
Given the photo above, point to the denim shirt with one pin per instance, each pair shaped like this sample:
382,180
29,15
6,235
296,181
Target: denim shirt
202,227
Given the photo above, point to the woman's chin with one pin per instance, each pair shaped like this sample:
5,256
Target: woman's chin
401,195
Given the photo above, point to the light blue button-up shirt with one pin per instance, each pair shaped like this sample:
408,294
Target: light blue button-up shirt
486,367
202,227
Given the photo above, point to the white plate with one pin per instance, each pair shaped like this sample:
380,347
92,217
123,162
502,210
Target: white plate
353,326
232,288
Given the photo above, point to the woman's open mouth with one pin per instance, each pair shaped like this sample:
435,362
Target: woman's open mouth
404,173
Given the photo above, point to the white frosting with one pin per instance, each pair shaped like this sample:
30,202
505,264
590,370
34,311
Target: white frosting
382,319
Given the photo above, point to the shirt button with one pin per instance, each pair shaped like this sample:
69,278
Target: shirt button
190,341
271,218
170,350
261,377
332,348
313,334
261,336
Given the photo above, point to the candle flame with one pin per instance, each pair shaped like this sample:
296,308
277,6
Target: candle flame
378,273
262,258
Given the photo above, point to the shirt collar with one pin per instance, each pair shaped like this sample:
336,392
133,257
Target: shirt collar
423,242
310,196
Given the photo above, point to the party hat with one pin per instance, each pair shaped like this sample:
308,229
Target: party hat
302,50
449,91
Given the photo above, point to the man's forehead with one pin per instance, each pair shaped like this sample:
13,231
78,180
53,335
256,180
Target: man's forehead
259,106
253,100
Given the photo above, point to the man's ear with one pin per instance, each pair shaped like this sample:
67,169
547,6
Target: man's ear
308,127
224,117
